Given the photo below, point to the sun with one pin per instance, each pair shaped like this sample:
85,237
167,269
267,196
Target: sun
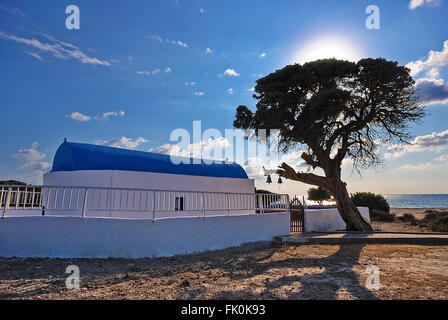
332,47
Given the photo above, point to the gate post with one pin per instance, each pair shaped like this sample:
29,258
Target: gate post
288,204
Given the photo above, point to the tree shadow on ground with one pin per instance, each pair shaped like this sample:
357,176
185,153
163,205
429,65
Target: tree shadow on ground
334,272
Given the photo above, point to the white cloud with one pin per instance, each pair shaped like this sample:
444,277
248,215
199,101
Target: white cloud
107,115
230,73
254,168
122,142
201,149
434,59
442,158
155,37
78,116
432,91
11,10
35,55
33,159
200,93
418,3
201,10
58,49
251,89
230,91
431,142
421,166
208,50
155,71
262,55
171,149
433,73
192,83
178,42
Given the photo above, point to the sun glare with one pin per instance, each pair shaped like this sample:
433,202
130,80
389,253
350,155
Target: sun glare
327,48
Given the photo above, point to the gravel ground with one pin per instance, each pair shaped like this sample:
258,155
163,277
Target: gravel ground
253,271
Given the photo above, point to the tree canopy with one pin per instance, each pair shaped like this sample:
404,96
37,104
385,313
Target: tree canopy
335,110
318,194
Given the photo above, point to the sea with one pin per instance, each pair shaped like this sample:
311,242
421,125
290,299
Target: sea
417,200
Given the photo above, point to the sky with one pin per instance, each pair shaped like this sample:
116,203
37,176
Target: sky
135,71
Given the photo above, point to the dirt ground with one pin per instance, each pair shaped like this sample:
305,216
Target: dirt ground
254,271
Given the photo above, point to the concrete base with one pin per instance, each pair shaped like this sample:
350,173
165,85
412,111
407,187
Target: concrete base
327,220
70,237
338,238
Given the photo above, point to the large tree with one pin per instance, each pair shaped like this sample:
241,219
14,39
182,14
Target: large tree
335,110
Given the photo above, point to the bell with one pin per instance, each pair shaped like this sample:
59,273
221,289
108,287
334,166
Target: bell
279,180
269,180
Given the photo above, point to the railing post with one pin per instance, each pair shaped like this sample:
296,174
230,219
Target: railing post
203,204
1,197
17,198
32,198
7,200
228,204
84,206
260,203
154,206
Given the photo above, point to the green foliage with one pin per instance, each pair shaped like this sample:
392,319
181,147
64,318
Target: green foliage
371,200
263,191
439,225
378,215
329,102
409,217
318,194
432,215
12,183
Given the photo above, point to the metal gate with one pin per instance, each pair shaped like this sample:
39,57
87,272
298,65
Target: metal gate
297,215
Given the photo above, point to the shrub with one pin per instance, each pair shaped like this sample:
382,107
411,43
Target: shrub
12,183
371,200
378,215
408,217
432,215
318,194
439,225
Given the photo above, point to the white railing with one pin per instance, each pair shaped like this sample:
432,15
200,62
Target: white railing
133,203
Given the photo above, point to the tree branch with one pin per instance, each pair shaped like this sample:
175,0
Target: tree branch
288,172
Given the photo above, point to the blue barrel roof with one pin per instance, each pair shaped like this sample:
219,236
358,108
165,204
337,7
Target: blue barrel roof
72,156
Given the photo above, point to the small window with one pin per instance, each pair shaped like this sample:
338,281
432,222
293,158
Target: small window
179,204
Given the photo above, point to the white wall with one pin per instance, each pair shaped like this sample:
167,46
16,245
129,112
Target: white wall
69,237
147,180
321,220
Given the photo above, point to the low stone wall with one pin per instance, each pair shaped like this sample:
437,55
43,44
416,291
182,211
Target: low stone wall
70,237
322,220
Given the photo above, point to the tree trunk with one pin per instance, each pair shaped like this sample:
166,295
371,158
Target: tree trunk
348,211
